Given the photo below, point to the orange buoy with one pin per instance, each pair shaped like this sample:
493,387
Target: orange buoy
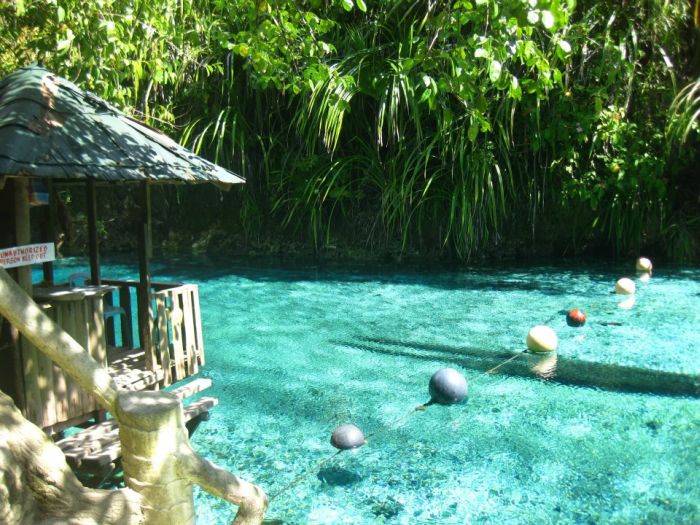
575,317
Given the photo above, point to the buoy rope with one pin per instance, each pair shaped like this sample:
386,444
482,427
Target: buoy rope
401,418
491,370
303,475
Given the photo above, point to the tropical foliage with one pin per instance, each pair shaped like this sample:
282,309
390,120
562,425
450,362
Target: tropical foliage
453,128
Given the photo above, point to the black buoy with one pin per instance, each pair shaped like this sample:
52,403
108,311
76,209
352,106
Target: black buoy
447,387
347,437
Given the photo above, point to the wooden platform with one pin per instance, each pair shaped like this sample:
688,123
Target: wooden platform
128,368
97,448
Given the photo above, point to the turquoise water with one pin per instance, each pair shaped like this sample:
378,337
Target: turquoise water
296,352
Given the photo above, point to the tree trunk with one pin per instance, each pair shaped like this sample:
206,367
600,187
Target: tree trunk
37,486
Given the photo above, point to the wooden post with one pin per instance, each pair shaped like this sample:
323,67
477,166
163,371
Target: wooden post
161,466
151,431
93,240
48,230
145,310
22,229
24,357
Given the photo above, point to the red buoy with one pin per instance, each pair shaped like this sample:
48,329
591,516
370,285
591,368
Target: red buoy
576,317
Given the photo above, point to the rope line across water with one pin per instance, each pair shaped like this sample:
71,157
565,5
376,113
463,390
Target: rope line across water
390,424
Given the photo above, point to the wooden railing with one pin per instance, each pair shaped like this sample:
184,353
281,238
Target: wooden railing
178,344
178,325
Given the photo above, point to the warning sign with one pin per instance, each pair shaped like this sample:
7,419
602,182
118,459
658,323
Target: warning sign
27,254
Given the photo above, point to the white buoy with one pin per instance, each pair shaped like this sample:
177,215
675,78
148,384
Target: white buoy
644,277
625,286
542,339
644,265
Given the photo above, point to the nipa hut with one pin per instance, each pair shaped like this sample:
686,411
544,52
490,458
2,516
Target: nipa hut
148,334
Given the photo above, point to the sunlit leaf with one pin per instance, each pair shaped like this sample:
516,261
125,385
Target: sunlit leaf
495,70
547,19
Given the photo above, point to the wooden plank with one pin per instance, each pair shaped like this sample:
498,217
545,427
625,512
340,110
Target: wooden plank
127,326
83,311
97,340
99,445
193,387
128,369
46,382
73,401
176,320
189,337
111,323
60,387
32,392
163,346
198,324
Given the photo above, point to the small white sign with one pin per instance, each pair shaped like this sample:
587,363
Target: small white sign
27,254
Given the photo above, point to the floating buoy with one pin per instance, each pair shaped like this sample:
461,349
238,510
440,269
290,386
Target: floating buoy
542,339
644,265
644,277
625,286
347,437
447,387
575,317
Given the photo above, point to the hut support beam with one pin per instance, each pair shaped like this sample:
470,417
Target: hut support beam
93,240
48,230
22,229
145,309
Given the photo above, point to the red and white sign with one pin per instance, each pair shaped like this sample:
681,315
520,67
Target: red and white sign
27,254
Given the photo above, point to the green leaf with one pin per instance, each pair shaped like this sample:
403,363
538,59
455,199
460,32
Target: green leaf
565,46
473,130
495,70
547,19
515,92
347,4
481,53
556,75
361,5
66,42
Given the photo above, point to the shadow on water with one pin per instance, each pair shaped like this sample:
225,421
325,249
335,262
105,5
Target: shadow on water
338,477
549,279
550,367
